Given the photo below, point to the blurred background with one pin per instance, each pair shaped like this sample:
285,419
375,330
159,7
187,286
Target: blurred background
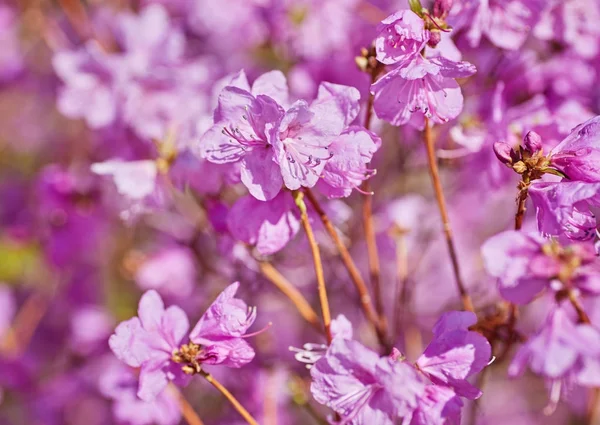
83,82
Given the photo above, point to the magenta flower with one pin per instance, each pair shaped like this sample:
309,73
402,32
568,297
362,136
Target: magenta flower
562,351
119,384
526,264
437,406
566,208
506,23
362,387
401,37
306,132
455,354
244,126
351,152
268,225
220,331
149,341
423,88
154,340
578,155
171,271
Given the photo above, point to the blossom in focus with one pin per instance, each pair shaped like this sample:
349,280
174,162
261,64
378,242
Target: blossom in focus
363,387
423,88
401,38
154,341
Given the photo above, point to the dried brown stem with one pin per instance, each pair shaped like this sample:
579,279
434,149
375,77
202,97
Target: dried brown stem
302,305
316,254
234,402
359,283
439,195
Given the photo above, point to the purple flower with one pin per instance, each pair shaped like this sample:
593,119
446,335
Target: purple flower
506,23
455,354
351,152
220,331
306,131
526,264
119,384
437,406
268,225
11,60
561,351
566,208
149,341
154,340
578,155
401,37
244,126
362,387
425,87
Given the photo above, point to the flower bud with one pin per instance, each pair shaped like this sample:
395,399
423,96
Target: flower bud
532,142
441,8
434,38
504,153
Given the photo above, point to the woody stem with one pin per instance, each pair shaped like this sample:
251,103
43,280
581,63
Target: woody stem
290,291
234,402
439,195
523,193
359,283
316,254
369,228
187,411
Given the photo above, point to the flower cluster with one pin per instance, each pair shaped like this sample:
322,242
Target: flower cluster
406,194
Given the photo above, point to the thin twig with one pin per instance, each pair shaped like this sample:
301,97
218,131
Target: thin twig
234,402
299,199
302,305
439,195
359,283
187,411
593,407
26,321
369,228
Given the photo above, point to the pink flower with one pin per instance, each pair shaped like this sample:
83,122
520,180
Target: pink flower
306,132
526,264
401,37
455,354
267,225
148,342
362,387
154,340
578,155
220,331
351,152
244,126
566,208
506,23
423,88
562,351
171,271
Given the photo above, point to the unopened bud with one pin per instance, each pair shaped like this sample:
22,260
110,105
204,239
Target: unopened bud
504,153
441,8
434,38
532,142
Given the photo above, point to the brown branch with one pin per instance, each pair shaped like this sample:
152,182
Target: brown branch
439,195
234,402
316,254
187,411
359,283
302,305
